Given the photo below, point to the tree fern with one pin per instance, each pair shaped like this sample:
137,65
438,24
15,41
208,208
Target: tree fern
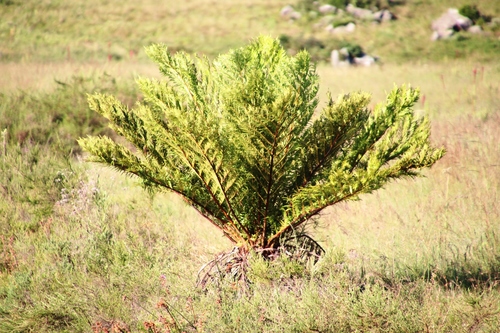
236,138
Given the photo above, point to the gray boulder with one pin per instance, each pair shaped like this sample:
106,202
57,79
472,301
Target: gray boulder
475,29
289,13
335,58
442,35
326,9
383,16
449,22
342,58
360,13
286,11
365,61
343,29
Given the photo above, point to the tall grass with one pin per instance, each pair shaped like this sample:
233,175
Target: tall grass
57,118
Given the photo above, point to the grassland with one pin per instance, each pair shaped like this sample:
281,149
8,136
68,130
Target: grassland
85,249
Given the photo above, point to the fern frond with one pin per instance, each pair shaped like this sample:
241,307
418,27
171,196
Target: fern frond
235,137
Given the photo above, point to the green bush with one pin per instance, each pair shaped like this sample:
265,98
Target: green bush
236,139
471,12
354,50
338,3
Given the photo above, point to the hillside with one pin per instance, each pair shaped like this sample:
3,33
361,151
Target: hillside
93,31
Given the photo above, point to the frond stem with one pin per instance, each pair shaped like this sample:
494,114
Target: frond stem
219,182
305,216
270,183
210,216
212,195
322,162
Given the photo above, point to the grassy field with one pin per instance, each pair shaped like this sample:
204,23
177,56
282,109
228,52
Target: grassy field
85,249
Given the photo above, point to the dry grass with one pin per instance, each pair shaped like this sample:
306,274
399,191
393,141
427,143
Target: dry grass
451,89
40,76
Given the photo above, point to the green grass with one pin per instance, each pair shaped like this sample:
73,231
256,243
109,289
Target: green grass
85,249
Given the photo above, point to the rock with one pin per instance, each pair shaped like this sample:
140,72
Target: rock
350,27
365,61
286,11
335,58
475,29
450,21
295,16
383,16
326,9
442,35
364,14
342,57
344,52
339,60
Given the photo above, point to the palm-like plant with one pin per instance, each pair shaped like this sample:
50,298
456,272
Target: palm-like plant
238,139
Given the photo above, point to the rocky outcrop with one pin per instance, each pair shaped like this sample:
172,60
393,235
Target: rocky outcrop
343,58
365,61
288,12
383,15
322,10
475,29
343,29
360,13
327,9
448,23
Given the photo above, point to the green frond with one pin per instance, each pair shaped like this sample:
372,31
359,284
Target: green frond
235,138
387,144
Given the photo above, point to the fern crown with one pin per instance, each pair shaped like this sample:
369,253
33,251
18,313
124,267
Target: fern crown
241,140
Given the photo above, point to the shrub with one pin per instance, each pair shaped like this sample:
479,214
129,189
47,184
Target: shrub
354,50
470,11
236,139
